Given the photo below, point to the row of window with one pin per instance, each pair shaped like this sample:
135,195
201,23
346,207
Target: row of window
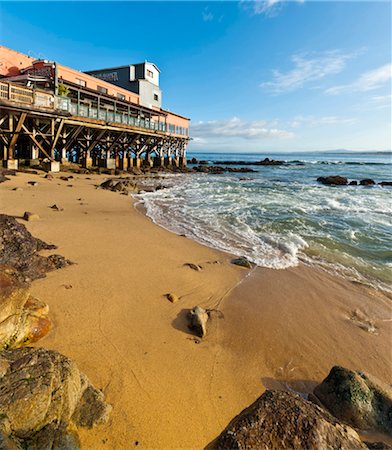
100,89
177,130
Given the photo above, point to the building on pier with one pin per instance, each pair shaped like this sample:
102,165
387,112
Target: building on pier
50,111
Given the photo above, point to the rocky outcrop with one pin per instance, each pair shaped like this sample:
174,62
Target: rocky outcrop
333,180
283,420
19,250
264,162
23,318
357,398
198,318
219,169
385,183
242,261
43,398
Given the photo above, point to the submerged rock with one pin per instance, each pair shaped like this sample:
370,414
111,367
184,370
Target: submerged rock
19,250
283,420
333,180
198,318
242,261
385,183
357,398
43,397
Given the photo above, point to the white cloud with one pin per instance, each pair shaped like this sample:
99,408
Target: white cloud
237,128
269,8
313,121
368,81
307,69
207,15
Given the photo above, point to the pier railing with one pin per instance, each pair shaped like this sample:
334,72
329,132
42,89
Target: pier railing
42,99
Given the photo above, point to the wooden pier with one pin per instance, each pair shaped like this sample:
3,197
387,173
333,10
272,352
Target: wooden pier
38,126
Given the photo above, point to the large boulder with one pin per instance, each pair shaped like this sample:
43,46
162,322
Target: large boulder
333,180
357,398
19,250
23,318
43,398
284,420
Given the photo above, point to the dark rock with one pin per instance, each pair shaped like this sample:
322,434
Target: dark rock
19,250
367,182
29,216
56,208
217,170
242,261
333,180
194,161
264,162
353,183
357,398
385,183
43,396
49,176
123,185
284,420
33,183
198,318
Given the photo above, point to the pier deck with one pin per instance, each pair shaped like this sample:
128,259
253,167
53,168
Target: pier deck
36,125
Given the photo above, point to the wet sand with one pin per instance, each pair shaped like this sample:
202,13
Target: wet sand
272,329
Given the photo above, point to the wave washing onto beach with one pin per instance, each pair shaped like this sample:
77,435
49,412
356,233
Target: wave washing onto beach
281,215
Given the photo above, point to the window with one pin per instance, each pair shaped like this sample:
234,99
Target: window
121,96
80,82
102,90
150,74
156,98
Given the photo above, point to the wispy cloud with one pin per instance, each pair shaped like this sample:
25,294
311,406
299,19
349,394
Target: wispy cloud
308,68
368,81
237,128
207,15
269,8
313,121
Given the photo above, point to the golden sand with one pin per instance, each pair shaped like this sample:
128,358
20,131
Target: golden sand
168,389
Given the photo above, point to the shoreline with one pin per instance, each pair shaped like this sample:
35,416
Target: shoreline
167,392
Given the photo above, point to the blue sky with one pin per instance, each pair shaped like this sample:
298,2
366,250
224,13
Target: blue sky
252,76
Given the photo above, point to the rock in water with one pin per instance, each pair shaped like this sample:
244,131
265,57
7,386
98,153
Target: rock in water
283,420
357,398
19,250
367,182
243,262
198,318
43,397
333,180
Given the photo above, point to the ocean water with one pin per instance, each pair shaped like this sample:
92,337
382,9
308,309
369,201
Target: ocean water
281,215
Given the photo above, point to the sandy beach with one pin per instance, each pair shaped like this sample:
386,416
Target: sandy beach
169,389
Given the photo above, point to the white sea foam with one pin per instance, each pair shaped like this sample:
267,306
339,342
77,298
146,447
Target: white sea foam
277,223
